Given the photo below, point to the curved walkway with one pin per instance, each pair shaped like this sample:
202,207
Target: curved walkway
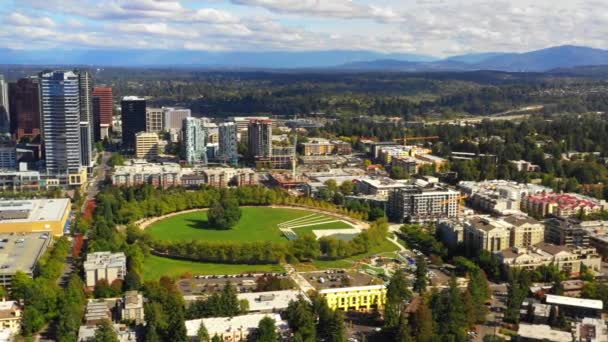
144,223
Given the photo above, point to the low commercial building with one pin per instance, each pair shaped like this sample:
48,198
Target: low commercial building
10,316
132,307
96,312
269,302
358,298
567,259
233,329
20,253
86,333
576,307
104,265
38,215
20,180
561,205
541,333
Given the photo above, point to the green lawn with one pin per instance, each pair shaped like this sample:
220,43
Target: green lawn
155,267
386,248
257,223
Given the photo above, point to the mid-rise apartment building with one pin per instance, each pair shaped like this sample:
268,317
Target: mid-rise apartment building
104,265
154,120
415,203
147,145
566,232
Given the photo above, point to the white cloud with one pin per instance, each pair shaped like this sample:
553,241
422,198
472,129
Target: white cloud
345,9
436,27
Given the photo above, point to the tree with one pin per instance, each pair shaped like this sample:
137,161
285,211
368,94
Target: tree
396,294
267,330
105,332
404,333
301,318
202,334
132,281
422,323
306,247
216,338
335,327
225,213
421,275
347,188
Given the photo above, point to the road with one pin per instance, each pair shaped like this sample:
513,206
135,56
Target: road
494,317
99,175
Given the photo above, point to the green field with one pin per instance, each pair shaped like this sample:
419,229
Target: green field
256,224
155,267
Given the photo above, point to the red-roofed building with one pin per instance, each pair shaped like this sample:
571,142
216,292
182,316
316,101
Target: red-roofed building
563,205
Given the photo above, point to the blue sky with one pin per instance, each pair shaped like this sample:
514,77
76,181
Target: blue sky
432,27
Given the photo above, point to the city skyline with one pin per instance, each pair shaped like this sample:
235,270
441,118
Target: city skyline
431,27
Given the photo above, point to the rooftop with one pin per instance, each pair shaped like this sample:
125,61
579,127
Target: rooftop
20,252
39,209
269,301
133,98
579,302
543,332
104,259
353,289
222,325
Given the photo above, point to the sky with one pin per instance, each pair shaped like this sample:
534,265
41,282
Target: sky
431,27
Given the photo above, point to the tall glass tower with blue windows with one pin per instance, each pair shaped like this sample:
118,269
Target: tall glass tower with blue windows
60,113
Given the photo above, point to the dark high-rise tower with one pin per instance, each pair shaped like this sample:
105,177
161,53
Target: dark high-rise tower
24,103
133,113
259,133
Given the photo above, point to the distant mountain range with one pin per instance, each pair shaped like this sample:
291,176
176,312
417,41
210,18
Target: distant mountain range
203,59
566,56
560,57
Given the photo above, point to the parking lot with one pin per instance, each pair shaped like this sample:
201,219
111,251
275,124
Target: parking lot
338,278
212,283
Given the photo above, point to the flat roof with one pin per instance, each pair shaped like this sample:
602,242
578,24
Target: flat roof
271,300
353,289
41,209
543,332
579,302
20,252
222,325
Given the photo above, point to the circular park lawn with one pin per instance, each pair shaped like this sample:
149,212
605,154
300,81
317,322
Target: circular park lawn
256,224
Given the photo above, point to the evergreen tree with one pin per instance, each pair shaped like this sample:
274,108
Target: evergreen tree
336,329
422,323
105,332
202,334
267,330
301,320
396,294
421,275
216,338
403,333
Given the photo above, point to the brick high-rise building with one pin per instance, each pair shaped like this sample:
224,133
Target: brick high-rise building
103,105
25,108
